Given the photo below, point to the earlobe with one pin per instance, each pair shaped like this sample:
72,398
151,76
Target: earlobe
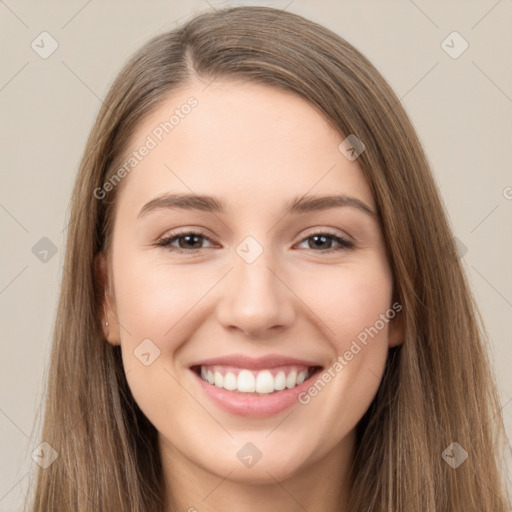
107,313
395,343
396,331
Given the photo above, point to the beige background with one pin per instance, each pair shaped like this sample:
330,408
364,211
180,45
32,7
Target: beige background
462,109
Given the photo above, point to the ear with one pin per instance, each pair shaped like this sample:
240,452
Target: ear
108,305
396,326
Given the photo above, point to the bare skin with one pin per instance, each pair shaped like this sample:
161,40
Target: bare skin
255,148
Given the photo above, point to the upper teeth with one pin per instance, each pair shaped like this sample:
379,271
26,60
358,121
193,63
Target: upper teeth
248,381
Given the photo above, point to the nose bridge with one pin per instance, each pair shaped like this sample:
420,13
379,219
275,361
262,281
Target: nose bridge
256,298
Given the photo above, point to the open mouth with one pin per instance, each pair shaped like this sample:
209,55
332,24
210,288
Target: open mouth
255,382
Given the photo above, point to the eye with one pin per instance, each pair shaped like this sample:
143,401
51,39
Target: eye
319,238
189,238
191,241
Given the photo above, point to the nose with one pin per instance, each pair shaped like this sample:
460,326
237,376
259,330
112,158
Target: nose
256,299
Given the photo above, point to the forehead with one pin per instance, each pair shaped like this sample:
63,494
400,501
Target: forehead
249,143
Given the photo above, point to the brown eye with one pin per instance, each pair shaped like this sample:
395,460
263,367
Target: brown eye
323,239
189,241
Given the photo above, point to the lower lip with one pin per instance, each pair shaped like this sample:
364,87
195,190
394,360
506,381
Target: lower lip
249,405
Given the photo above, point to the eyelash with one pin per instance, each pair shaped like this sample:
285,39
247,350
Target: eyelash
166,242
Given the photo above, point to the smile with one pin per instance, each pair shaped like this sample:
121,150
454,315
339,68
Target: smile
253,388
260,382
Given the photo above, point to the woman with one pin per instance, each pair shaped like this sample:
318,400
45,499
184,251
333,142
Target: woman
263,371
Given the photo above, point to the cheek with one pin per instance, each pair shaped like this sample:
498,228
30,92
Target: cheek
355,303
152,298
358,309
153,303
349,299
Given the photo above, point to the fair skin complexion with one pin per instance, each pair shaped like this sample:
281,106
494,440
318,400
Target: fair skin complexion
255,148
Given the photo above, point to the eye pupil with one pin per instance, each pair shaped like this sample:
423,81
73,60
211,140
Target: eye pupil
187,238
324,238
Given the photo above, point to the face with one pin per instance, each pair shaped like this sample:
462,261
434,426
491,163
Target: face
287,311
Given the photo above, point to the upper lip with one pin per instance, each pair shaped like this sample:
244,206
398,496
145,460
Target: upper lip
259,363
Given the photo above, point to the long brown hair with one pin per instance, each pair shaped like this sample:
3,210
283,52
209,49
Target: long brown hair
437,388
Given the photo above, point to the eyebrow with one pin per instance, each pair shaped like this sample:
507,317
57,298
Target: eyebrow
210,204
